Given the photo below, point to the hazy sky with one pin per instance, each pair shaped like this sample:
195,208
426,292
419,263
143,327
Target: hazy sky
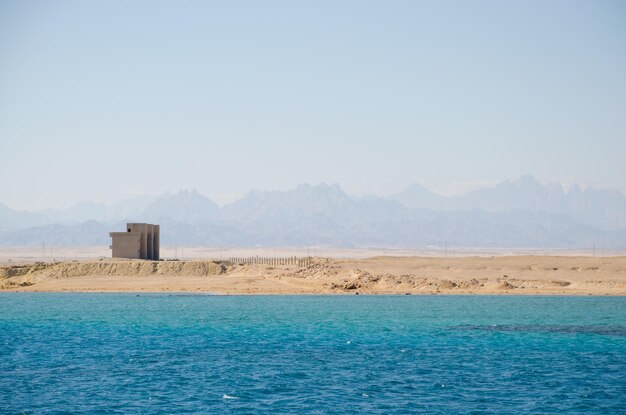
101,99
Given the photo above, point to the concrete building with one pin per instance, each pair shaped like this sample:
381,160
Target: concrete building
140,241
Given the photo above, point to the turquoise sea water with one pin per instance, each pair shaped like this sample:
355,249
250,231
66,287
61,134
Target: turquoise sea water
123,353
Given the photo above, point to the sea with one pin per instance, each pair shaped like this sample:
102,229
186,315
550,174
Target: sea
104,353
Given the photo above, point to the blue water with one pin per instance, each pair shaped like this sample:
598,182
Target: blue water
123,353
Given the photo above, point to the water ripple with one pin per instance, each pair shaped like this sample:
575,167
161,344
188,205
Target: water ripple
114,353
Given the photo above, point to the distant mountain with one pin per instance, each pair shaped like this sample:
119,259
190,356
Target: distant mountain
79,212
184,206
605,209
522,213
306,201
130,208
417,196
417,229
12,220
82,234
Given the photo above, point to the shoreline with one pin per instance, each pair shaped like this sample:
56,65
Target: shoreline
269,294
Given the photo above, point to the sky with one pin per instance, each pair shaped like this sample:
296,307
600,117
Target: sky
101,100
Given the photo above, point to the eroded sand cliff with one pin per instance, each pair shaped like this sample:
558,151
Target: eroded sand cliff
379,275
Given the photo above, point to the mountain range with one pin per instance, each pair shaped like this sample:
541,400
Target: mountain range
519,213
604,209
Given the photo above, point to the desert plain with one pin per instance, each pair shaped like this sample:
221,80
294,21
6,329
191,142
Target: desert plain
381,274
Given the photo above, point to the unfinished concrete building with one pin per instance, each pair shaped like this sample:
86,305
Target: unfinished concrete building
140,241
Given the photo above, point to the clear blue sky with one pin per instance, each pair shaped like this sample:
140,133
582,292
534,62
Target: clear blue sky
105,99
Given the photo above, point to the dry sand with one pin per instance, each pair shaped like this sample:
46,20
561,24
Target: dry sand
576,275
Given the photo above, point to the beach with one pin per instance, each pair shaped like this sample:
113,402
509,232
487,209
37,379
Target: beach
508,274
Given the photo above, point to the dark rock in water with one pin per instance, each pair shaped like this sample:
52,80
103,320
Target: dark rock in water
599,329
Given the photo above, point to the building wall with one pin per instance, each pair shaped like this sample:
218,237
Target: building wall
141,229
150,241
156,245
147,238
125,245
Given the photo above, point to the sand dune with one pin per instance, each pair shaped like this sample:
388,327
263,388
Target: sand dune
377,275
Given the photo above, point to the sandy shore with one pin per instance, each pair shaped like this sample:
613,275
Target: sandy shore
573,275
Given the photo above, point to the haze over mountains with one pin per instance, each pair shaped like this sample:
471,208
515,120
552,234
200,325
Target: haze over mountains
605,209
519,213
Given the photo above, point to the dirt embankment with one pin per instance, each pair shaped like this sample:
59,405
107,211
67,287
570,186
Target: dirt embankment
379,275
469,275
29,274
